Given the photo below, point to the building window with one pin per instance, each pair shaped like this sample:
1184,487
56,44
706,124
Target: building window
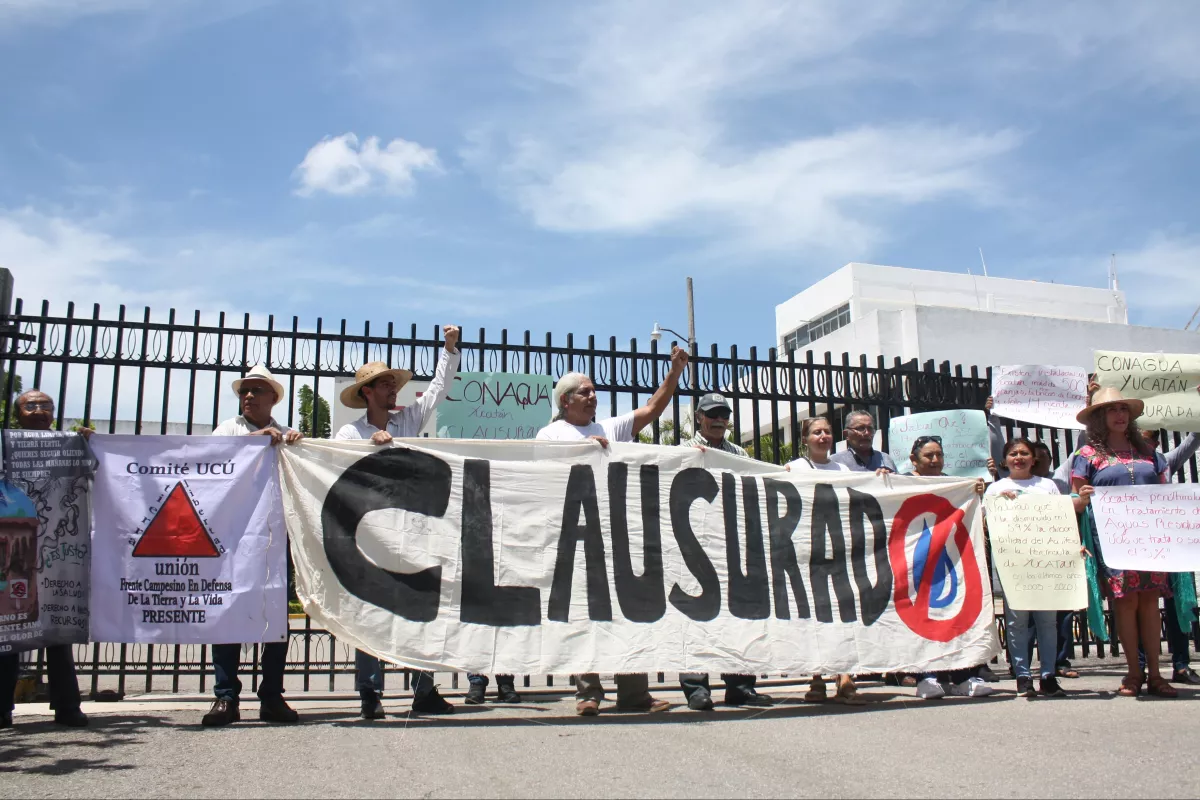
815,329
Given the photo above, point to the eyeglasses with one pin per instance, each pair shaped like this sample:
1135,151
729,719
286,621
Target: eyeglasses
718,413
38,405
246,391
862,429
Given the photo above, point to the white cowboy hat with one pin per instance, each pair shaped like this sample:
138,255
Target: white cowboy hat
1103,398
367,373
260,373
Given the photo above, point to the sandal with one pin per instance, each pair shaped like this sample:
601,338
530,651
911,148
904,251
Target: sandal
1160,687
1131,686
847,694
1067,672
816,691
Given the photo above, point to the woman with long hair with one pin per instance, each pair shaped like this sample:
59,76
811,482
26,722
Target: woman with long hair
1116,454
929,461
816,435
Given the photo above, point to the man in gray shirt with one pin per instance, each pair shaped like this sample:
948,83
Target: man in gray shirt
860,454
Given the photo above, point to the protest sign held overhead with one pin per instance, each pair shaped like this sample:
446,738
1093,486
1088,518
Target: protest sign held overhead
1154,528
1035,547
1167,383
189,540
45,552
963,433
551,558
495,405
1050,396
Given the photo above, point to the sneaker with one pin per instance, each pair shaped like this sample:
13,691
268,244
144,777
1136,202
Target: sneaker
701,700
276,709
930,689
1050,688
971,687
1025,687
476,695
507,693
1185,675
432,703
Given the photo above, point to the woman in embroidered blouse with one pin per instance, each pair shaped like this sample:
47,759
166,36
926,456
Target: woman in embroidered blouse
1116,454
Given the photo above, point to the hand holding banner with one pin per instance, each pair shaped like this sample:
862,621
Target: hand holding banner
1035,547
1049,396
1154,528
1166,382
964,435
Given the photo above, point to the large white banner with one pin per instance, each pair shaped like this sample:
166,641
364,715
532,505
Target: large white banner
553,558
188,541
1154,528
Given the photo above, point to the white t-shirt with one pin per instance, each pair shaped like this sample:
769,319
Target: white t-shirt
240,426
615,429
1034,485
805,465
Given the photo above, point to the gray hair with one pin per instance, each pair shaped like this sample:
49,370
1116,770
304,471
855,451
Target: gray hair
862,412
567,385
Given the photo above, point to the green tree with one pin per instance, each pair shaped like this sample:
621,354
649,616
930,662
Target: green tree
306,414
766,444
12,399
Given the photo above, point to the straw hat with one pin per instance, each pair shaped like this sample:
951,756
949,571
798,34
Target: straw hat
367,373
260,373
1103,398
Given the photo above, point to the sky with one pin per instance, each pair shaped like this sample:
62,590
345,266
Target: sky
563,167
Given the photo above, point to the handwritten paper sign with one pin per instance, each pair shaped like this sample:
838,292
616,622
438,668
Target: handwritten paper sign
1165,382
495,405
1035,547
964,436
1050,396
1154,528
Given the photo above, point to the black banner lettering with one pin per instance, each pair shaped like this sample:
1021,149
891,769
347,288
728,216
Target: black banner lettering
581,498
827,535
642,598
749,594
873,597
691,485
784,566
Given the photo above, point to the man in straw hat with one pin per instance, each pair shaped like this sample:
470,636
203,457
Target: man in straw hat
258,393
375,388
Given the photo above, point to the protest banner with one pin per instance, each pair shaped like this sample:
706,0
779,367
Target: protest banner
1165,382
1040,395
1036,550
188,540
1154,528
495,405
553,558
964,435
45,552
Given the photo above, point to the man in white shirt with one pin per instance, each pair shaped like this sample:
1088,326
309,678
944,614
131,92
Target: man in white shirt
375,388
258,393
575,405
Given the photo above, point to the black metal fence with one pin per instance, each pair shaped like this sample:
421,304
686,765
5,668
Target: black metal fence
137,367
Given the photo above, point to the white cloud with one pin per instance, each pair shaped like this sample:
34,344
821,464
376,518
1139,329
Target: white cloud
338,165
1163,275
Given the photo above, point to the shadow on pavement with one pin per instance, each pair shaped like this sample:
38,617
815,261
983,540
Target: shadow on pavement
30,748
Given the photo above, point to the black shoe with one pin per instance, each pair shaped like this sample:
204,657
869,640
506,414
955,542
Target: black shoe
701,700
5,719
223,712
1050,687
1025,687
476,695
71,717
1185,675
986,673
372,708
276,709
432,703
747,697
507,693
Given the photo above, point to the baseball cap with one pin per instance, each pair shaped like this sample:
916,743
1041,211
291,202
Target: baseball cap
713,400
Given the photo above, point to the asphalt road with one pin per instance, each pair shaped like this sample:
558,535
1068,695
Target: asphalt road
1092,744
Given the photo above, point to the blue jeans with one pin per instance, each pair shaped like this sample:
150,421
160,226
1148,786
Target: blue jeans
226,660
1017,625
368,678
501,680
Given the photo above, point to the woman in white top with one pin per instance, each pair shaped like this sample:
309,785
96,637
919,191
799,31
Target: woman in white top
816,434
1020,460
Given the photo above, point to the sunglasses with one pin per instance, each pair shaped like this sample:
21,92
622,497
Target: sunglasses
247,391
718,413
924,440
38,405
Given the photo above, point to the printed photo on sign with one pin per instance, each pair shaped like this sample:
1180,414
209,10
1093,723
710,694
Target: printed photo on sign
190,542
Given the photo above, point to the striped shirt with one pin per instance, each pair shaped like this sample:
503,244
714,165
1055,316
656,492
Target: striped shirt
699,440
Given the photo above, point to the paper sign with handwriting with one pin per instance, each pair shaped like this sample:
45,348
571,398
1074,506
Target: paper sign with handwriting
1154,528
1041,395
1165,382
495,405
1035,547
964,436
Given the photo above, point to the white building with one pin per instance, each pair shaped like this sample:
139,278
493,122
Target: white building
964,319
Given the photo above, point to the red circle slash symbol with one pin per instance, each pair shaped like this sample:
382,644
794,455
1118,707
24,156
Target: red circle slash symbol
915,613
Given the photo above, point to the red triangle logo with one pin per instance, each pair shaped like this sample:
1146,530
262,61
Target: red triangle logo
176,531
